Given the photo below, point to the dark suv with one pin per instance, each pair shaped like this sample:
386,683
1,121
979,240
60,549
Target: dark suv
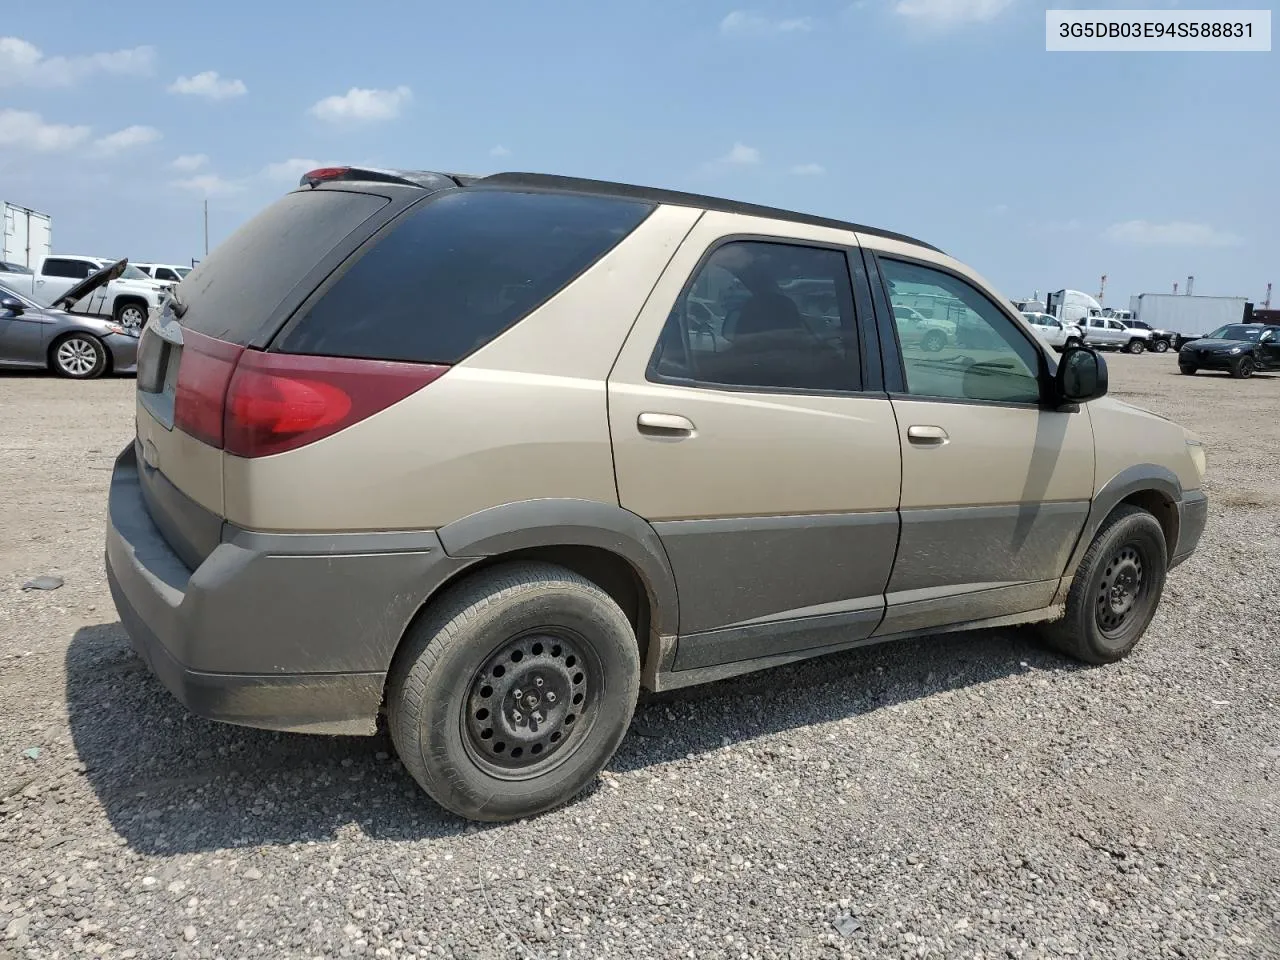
1239,348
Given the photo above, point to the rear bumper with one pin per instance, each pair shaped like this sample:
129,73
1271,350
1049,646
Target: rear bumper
279,631
1193,514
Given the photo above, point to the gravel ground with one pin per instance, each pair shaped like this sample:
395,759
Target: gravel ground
953,797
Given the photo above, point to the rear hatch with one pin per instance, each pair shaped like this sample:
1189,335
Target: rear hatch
236,298
286,335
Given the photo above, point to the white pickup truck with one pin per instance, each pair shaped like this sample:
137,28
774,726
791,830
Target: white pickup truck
126,299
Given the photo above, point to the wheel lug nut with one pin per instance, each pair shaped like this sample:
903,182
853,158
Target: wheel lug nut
551,696
516,694
537,681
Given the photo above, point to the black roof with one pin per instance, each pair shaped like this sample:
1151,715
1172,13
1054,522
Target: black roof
544,181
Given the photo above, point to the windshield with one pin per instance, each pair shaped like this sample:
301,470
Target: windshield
182,271
7,291
1237,331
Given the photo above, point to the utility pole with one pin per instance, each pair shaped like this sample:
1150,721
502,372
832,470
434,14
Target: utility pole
206,226
1102,288
1266,304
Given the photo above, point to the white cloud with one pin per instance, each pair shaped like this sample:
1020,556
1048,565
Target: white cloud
126,139
1176,233
208,185
361,104
189,162
23,130
808,170
209,85
944,13
745,21
499,151
24,64
292,169
741,155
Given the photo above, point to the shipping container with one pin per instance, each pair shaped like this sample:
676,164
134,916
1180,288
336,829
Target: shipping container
1187,317
28,235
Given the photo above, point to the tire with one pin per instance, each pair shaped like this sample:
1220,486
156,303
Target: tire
1187,369
1135,347
933,341
1160,346
131,313
78,356
461,665
1128,533
1071,342
1243,368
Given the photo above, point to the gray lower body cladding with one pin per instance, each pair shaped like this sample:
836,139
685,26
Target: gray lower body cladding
280,631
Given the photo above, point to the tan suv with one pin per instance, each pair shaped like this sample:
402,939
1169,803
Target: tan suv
492,454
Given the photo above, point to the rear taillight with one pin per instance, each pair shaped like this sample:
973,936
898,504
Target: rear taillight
203,375
278,401
253,404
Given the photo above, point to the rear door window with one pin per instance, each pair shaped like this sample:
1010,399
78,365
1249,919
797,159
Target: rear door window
457,270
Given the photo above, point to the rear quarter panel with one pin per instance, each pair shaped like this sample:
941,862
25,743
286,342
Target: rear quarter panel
523,418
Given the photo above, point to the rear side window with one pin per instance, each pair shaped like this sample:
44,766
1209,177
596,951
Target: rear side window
457,270
234,291
70,269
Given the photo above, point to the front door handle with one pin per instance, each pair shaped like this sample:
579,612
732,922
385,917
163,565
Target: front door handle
927,436
664,425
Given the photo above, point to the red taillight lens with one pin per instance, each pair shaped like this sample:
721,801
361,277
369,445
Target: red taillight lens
278,402
320,174
204,372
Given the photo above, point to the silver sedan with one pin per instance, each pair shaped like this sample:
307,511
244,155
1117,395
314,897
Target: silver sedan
75,345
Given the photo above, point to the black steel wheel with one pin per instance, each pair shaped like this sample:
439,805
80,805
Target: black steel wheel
532,703
512,690
1121,590
1243,368
1115,589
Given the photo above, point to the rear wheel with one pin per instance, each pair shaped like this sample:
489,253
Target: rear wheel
513,691
80,356
1243,368
131,313
1115,591
1136,346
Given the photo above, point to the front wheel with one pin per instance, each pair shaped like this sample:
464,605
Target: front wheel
513,691
933,341
1243,368
1115,591
1072,343
80,356
1160,346
1187,369
1136,346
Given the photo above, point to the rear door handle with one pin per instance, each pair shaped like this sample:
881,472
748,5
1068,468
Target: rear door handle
927,436
664,425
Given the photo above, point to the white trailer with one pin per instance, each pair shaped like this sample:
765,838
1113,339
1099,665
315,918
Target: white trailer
1186,317
28,235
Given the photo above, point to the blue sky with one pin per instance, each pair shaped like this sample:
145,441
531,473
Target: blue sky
945,119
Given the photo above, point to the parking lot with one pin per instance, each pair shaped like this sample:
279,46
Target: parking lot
960,796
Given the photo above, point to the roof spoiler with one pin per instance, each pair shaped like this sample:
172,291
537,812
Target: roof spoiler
426,179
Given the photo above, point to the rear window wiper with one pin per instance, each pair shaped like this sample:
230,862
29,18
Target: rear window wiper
176,304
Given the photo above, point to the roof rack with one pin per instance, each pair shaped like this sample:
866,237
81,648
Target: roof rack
545,181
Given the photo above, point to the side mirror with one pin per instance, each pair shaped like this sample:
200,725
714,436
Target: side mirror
13,305
1081,376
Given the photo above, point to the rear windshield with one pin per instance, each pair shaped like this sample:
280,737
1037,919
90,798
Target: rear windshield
233,291
457,270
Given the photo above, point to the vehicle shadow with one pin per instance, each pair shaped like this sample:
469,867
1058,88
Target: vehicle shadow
171,782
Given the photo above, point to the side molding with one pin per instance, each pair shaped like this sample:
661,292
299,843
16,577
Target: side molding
529,524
